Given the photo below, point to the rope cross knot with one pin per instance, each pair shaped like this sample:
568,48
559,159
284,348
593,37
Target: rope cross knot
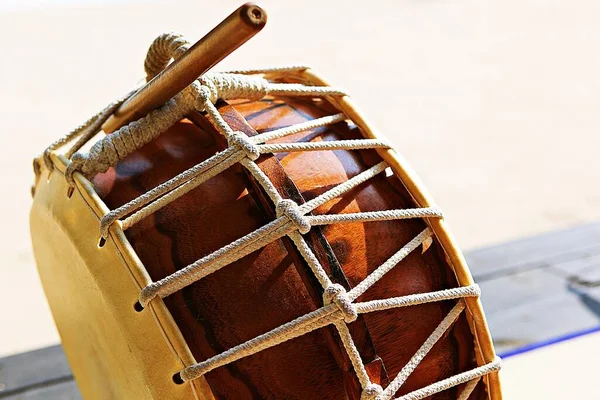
204,96
290,209
372,392
337,295
243,142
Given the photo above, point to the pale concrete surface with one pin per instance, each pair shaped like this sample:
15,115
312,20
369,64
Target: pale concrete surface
566,370
495,104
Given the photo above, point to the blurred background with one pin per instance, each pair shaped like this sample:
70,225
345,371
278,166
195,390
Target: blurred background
495,104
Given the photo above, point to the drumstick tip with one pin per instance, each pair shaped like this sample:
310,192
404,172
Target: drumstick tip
253,14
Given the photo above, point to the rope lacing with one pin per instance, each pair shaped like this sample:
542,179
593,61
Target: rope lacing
201,96
339,306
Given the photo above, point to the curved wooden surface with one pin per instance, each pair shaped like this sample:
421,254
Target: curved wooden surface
273,285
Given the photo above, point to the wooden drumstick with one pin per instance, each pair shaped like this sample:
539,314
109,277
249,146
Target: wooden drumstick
231,33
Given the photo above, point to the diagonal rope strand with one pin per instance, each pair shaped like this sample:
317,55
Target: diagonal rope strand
310,259
389,264
412,364
468,389
191,178
453,381
262,179
303,126
186,187
257,71
84,132
249,243
216,260
353,144
173,183
369,216
297,327
343,187
418,298
297,89
353,354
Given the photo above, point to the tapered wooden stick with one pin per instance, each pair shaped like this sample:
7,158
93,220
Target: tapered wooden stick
231,33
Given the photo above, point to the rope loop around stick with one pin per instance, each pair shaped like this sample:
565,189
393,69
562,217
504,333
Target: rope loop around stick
234,86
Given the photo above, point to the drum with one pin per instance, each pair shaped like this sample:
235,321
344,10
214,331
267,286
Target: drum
251,236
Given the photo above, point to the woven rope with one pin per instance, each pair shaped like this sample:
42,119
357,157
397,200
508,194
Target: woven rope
84,132
262,71
339,306
412,364
301,325
455,380
468,389
164,48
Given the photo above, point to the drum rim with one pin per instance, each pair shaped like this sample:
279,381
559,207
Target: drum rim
136,271
484,348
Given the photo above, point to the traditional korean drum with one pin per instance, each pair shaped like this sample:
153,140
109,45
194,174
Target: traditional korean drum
249,235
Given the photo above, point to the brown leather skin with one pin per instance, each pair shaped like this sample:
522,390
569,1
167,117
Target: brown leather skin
273,285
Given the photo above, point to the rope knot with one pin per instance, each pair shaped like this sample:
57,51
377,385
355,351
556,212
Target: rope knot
290,209
244,143
76,164
337,295
372,392
204,95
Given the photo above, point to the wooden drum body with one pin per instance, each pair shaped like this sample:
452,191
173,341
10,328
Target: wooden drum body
119,350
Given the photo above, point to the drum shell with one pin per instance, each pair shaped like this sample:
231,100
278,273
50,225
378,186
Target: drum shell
221,208
444,249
